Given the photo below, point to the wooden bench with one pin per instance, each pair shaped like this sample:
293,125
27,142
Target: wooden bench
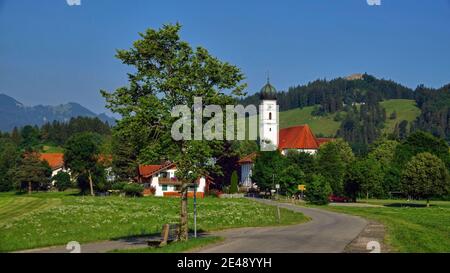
169,234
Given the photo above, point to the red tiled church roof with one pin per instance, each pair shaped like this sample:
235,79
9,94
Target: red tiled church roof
298,137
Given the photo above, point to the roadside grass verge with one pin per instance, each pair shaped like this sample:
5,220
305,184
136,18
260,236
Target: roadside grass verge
175,247
410,226
64,217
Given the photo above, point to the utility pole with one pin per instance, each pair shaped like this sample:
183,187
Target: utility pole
195,210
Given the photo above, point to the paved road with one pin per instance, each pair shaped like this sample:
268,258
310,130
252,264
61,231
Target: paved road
327,232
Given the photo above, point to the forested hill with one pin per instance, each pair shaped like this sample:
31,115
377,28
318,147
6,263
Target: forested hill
435,106
334,94
362,108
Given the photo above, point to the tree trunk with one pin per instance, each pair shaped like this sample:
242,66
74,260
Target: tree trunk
91,185
29,188
184,229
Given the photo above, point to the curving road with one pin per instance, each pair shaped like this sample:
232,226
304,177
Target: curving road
327,232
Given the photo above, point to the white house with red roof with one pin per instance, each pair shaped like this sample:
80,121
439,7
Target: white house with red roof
297,138
55,161
162,180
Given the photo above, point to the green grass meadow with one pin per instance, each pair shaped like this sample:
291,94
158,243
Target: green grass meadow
411,226
46,219
405,109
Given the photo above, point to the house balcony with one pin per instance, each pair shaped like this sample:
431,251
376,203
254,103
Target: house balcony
169,181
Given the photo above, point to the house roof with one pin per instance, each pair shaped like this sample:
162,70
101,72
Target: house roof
149,170
323,140
298,137
55,160
247,159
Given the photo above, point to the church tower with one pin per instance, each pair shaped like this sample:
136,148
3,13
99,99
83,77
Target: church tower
268,118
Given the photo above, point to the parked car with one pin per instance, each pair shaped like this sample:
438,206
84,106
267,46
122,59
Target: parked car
339,199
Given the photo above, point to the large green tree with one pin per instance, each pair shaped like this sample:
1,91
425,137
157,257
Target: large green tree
425,176
383,152
268,169
303,162
9,156
364,177
420,142
168,72
333,159
81,156
290,178
30,138
31,173
318,191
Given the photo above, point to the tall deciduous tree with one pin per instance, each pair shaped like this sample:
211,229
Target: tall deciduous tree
268,169
318,191
366,177
81,156
332,161
425,176
420,142
169,72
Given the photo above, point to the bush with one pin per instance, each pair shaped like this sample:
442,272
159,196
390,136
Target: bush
133,189
234,183
119,186
62,181
318,191
215,193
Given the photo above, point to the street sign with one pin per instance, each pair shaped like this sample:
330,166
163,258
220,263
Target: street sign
277,186
302,187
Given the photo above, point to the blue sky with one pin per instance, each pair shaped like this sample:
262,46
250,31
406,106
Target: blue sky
53,53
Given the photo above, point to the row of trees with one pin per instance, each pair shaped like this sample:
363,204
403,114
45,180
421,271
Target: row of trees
418,167
56,133
23,170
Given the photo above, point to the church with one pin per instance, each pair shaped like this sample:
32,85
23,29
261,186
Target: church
298,138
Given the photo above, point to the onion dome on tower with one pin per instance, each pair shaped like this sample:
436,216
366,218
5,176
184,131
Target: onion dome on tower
268,92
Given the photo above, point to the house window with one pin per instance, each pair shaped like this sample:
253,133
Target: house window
164,187
270,129
164,175
270,115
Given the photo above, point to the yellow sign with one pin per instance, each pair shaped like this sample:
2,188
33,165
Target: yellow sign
302,187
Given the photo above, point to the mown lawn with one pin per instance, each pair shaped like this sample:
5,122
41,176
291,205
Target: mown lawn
46,219
411,227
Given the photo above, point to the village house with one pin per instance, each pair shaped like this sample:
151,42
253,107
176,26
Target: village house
55,161
297,138
161,181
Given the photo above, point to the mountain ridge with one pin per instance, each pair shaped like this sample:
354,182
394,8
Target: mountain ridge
13,113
